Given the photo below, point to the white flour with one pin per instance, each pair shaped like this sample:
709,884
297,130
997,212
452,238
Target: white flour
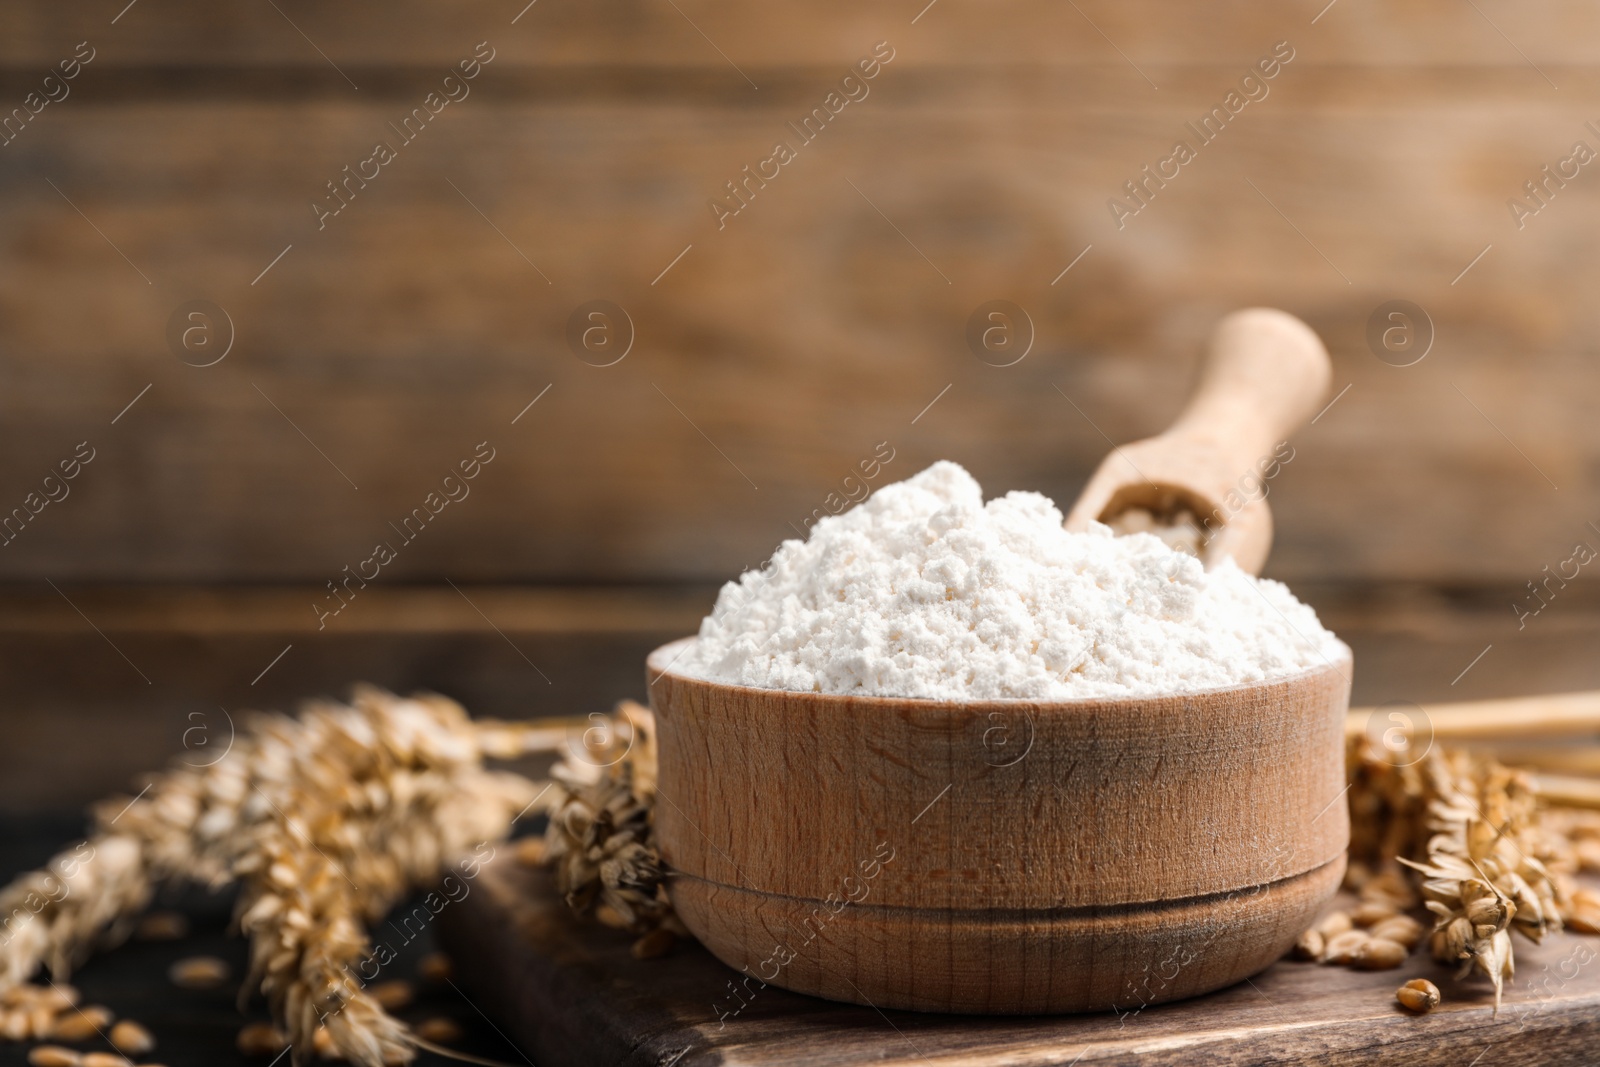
925,591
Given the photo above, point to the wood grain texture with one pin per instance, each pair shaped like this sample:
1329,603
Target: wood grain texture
1552,715
202,647
147,675
1265,373
1000,856
570,995
783,347
626,31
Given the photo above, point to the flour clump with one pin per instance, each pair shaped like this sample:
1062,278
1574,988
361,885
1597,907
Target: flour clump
925,591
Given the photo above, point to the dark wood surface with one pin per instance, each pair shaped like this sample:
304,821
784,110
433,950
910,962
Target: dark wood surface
572,995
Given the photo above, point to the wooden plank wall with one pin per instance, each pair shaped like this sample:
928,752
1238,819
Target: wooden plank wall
416,324
373,353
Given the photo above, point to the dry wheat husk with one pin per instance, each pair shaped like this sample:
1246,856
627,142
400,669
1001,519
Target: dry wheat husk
324,821
1483,875
601,837
1483,855
390,792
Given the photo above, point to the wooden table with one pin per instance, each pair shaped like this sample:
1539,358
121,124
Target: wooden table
570,993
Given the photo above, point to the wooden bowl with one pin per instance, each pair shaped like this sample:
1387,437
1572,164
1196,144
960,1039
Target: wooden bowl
1007,857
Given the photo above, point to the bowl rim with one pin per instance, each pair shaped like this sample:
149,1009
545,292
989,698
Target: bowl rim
1341,665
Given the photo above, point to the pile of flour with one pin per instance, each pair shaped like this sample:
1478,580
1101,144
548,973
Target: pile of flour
926,591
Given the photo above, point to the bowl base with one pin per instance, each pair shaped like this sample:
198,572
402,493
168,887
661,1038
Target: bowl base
1004,962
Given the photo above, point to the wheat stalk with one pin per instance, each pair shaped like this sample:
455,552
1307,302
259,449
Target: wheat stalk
1487,858
601,836
325,821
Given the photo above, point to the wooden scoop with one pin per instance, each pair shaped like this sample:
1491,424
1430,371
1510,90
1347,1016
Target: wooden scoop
1264,374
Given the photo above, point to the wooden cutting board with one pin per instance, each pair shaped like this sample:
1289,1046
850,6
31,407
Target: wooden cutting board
569,993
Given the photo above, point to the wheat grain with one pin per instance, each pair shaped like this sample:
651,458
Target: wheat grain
434,967
105,1059
439,1030
162,926
54,1056
392,995
199,972
1343,948
1379,954
79,1024
655,944
130,1038
260,1039
1402,929
1333,924
1309,945
1418,995
1372,912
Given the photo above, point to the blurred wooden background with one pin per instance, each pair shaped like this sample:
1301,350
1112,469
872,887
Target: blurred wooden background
772,354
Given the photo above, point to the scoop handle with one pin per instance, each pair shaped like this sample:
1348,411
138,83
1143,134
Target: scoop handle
1264,373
